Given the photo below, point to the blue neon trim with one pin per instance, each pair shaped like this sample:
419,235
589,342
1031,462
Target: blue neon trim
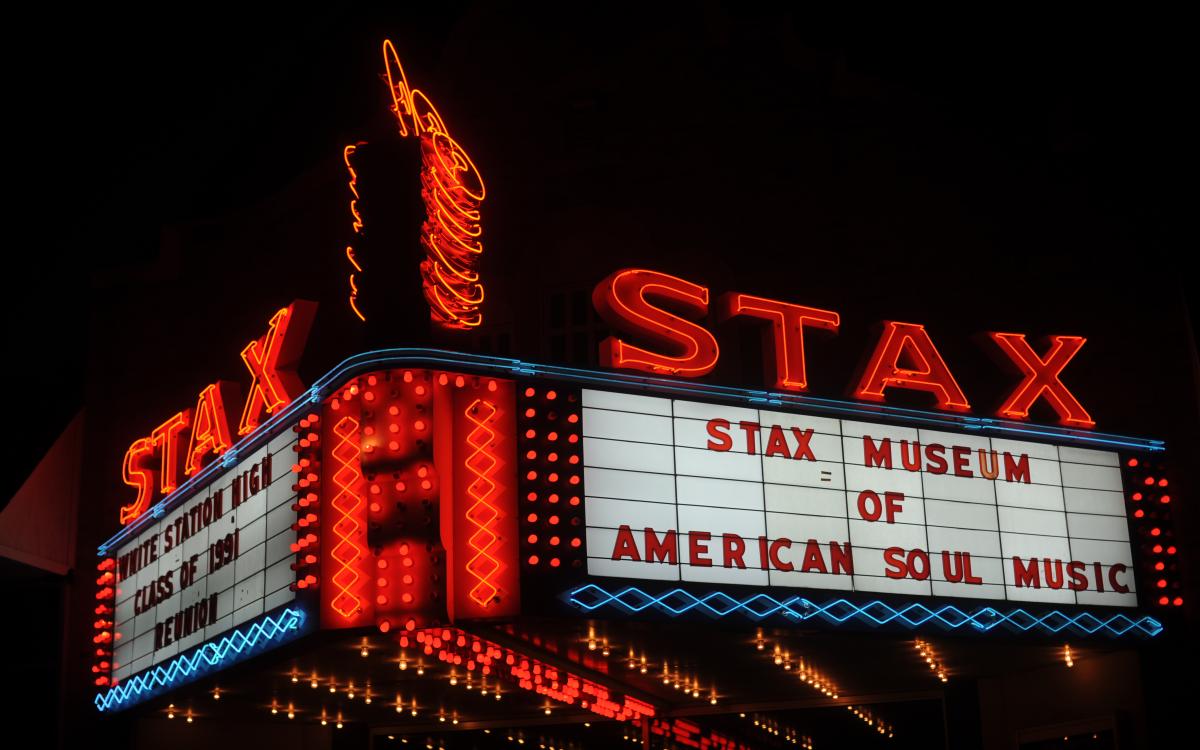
213,655
799,609
505,367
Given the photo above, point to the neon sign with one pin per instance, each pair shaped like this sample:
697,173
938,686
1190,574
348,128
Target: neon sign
152,464
452,190
904,358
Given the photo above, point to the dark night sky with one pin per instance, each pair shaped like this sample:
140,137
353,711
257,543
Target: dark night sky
126,126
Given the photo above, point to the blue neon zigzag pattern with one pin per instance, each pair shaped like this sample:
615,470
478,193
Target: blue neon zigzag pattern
759,606
227,650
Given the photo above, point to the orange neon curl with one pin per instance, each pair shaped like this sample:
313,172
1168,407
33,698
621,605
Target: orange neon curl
348,480
929,373
466,321
357,224
452,190
466,275
454,291
1042,378
482,514
353,184
353,284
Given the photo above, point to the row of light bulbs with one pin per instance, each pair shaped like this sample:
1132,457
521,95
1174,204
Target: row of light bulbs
929,655
808,675
674,677
783,732
470,684
879,725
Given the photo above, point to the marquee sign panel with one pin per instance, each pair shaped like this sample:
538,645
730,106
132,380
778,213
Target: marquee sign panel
218,560
401,496
686,491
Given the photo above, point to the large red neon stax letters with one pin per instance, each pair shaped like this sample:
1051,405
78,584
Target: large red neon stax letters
621,301
271,361
904,357
1041,378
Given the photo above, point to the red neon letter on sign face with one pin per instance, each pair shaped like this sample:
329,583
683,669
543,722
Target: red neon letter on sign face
135,474
1041,378
272,360
166,438
210,429
787,325
928,371
621,301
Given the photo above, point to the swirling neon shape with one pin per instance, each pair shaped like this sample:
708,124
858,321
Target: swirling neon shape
452,190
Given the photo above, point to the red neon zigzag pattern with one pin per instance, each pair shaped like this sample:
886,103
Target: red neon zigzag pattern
482,513
346,502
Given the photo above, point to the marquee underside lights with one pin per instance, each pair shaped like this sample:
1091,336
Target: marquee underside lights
242,643
452,190
487,658
795,609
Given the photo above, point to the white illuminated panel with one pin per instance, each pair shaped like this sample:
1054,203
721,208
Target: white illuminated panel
247,536
688,491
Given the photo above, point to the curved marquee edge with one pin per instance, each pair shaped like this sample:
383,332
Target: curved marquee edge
502,366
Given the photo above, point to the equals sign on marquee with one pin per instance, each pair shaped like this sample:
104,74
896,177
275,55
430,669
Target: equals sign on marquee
826,476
